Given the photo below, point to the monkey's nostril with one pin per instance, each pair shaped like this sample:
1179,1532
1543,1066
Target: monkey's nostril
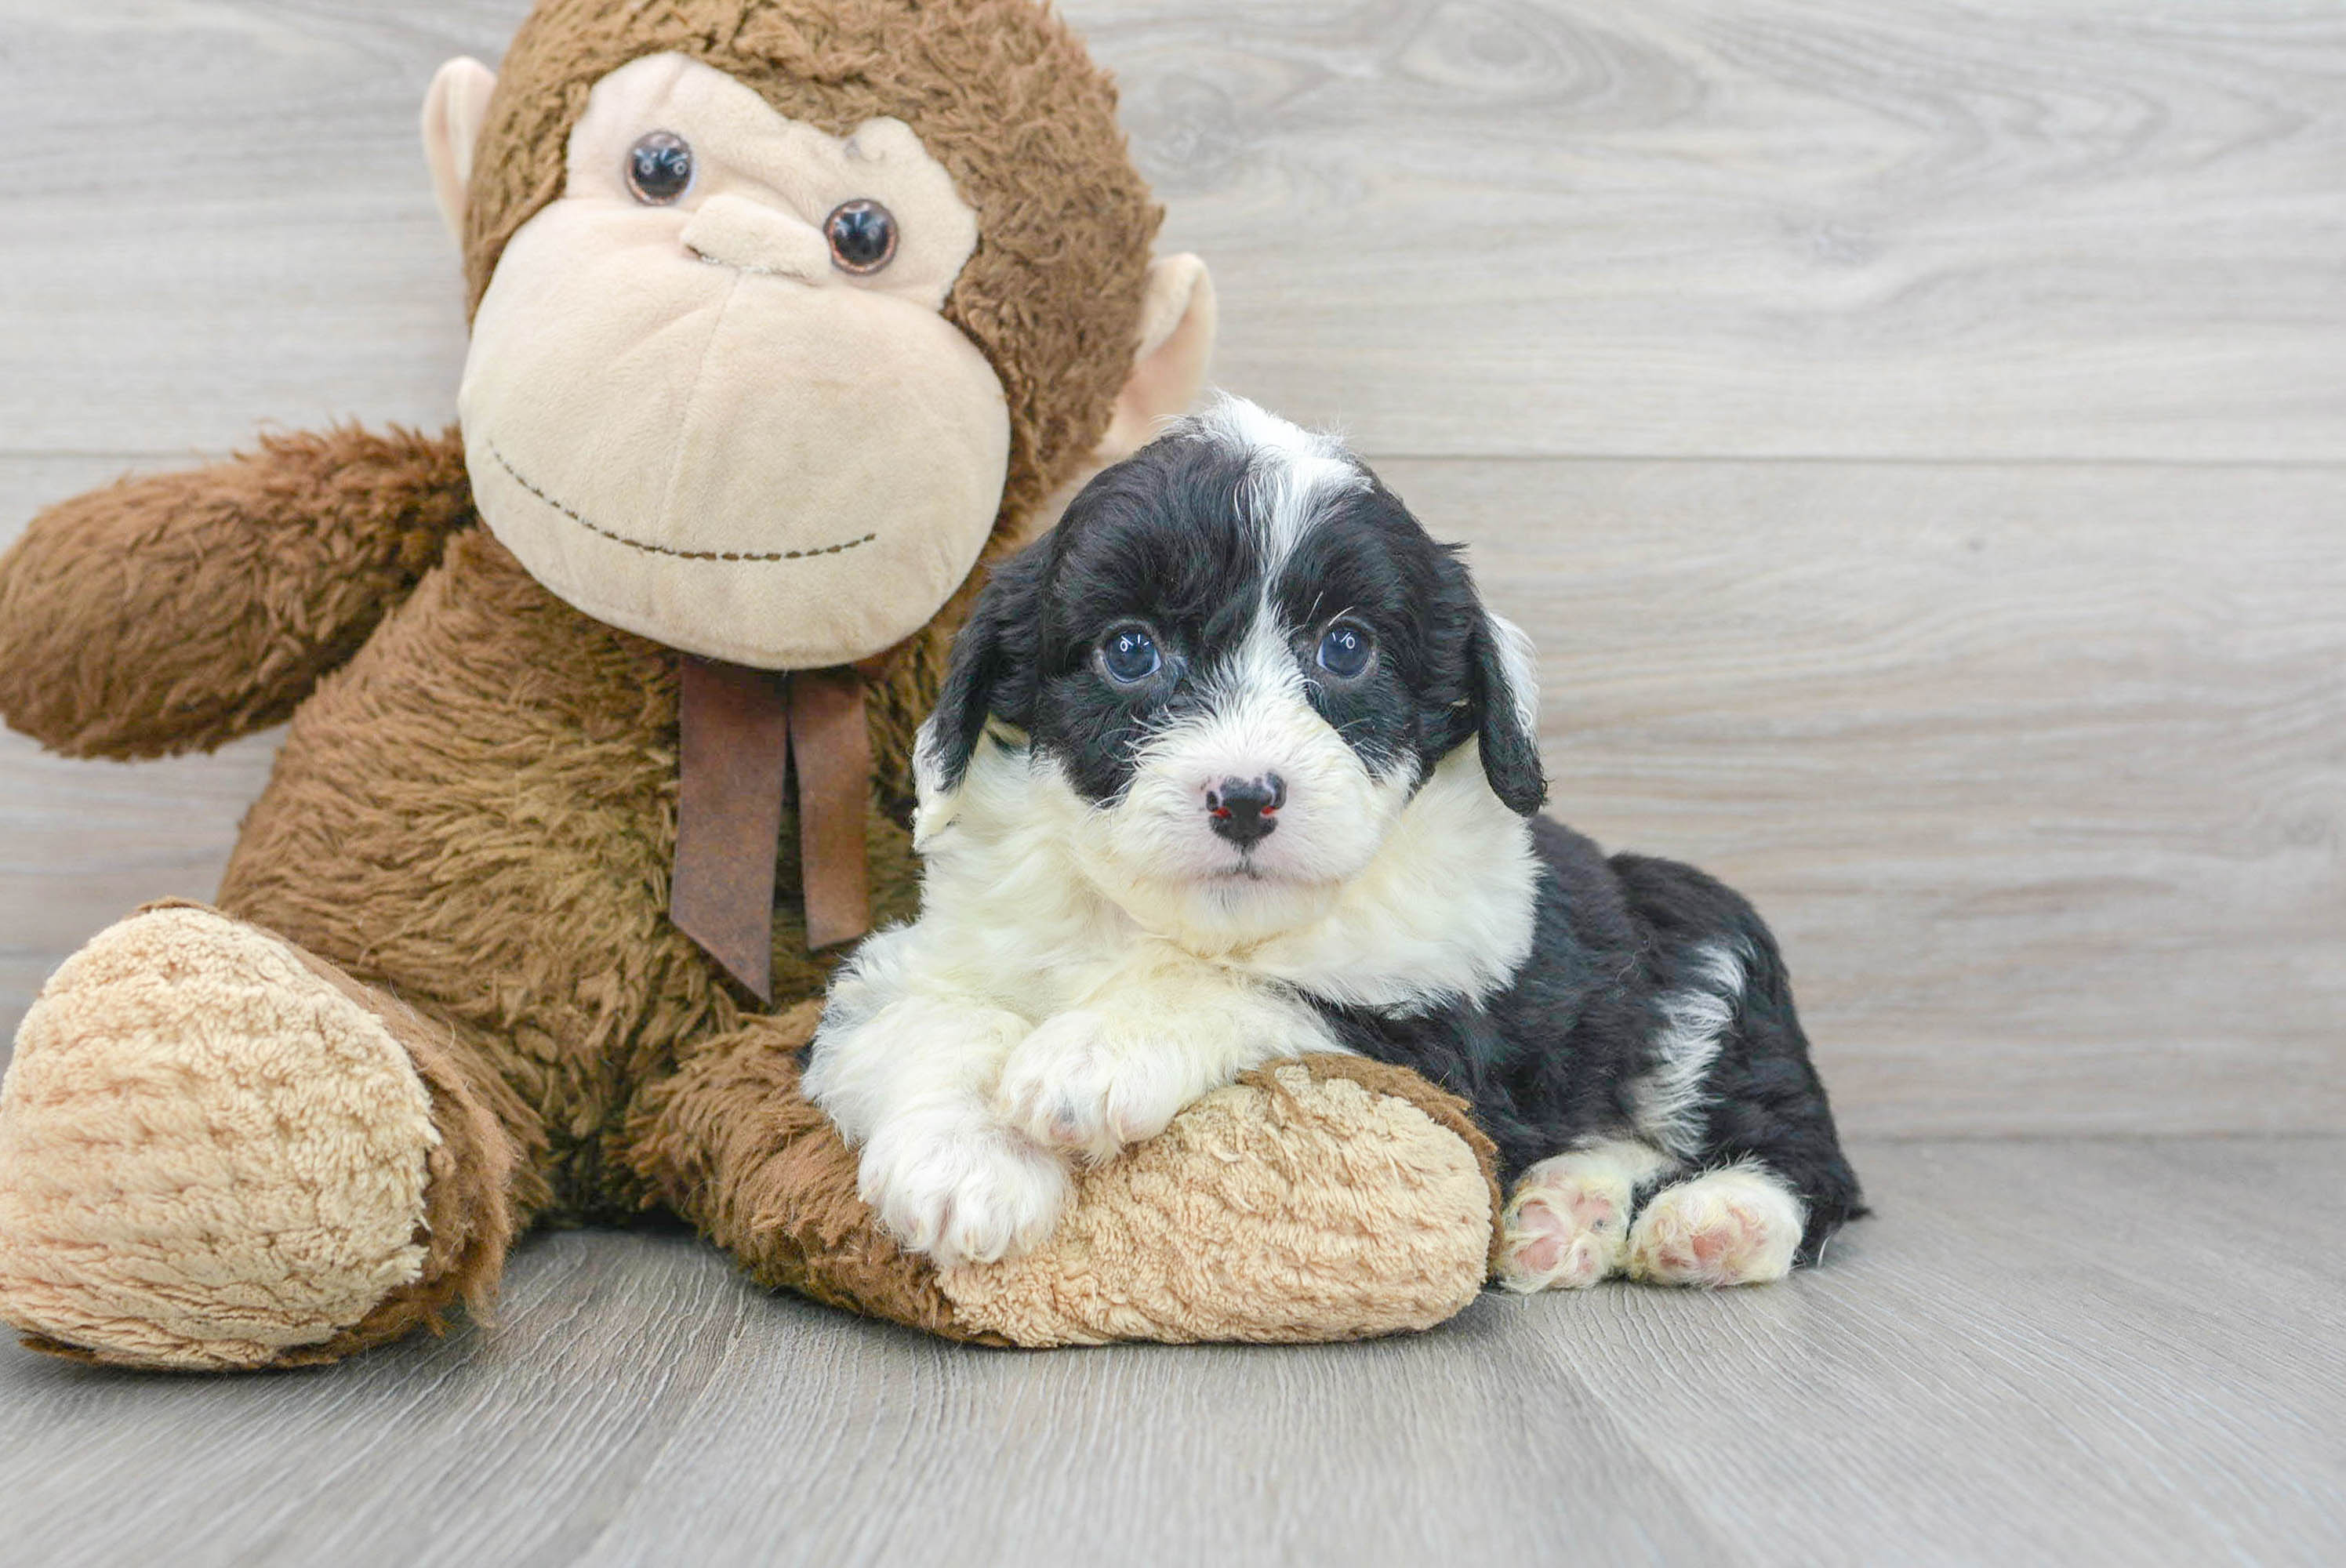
1278,792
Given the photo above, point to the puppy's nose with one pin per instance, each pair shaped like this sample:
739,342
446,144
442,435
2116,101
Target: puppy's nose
1245,811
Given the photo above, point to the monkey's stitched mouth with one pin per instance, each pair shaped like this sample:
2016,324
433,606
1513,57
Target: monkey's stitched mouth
650,549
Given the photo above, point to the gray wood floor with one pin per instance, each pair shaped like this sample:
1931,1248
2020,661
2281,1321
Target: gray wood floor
2123,1351
1915,433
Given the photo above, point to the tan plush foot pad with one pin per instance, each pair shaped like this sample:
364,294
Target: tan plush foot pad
1306,1205
209,1152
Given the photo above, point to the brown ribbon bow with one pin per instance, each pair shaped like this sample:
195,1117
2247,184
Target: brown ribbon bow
742,731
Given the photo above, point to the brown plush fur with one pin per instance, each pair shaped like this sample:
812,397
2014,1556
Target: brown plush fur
731,1144
479,813
216,597
471,823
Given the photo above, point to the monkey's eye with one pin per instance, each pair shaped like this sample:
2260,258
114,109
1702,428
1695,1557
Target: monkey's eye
659,167
863,236
1130,653
1346,651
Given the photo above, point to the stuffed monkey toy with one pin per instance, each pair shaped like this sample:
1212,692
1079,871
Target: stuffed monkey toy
787,316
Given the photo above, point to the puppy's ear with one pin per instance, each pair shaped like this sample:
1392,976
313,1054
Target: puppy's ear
991,673
1506,680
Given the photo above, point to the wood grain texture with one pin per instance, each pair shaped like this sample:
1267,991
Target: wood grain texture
1488,227
2039,771
1788,228
2090,1351
235,225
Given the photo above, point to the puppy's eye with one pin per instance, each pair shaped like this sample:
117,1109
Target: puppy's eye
1345,651
659,167
1130,653
863,236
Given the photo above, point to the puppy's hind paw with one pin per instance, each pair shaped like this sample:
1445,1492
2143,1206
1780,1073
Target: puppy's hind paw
1740,1225
1549,1248
1567,1226
963,1190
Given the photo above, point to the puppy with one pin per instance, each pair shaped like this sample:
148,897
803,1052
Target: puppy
1232,766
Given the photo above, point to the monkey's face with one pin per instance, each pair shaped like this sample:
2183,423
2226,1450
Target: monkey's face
710,398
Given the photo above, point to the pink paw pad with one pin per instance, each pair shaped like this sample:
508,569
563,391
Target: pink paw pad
1732,1228
1560,1238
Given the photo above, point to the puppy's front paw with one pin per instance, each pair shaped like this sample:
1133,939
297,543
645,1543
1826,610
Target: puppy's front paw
961,1189
1074,1083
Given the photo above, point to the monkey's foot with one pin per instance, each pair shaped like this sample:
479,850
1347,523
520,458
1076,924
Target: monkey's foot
212,1153
1332,1198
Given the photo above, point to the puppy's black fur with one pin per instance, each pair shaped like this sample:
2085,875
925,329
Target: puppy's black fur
1176,540
1553,1058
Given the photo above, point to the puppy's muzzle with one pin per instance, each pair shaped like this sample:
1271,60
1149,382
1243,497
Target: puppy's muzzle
1245,811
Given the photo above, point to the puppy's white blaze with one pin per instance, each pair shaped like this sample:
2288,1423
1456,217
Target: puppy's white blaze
1297,472
1669,1101
1519,662
1261,668
1255,719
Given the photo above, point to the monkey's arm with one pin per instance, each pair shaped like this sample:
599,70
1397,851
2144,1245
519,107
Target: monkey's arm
177,612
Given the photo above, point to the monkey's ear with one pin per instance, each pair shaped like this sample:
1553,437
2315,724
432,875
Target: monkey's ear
992,674
1177,344
455,107
1506,680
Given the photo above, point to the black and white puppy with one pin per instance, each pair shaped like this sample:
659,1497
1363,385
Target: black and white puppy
1233,764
